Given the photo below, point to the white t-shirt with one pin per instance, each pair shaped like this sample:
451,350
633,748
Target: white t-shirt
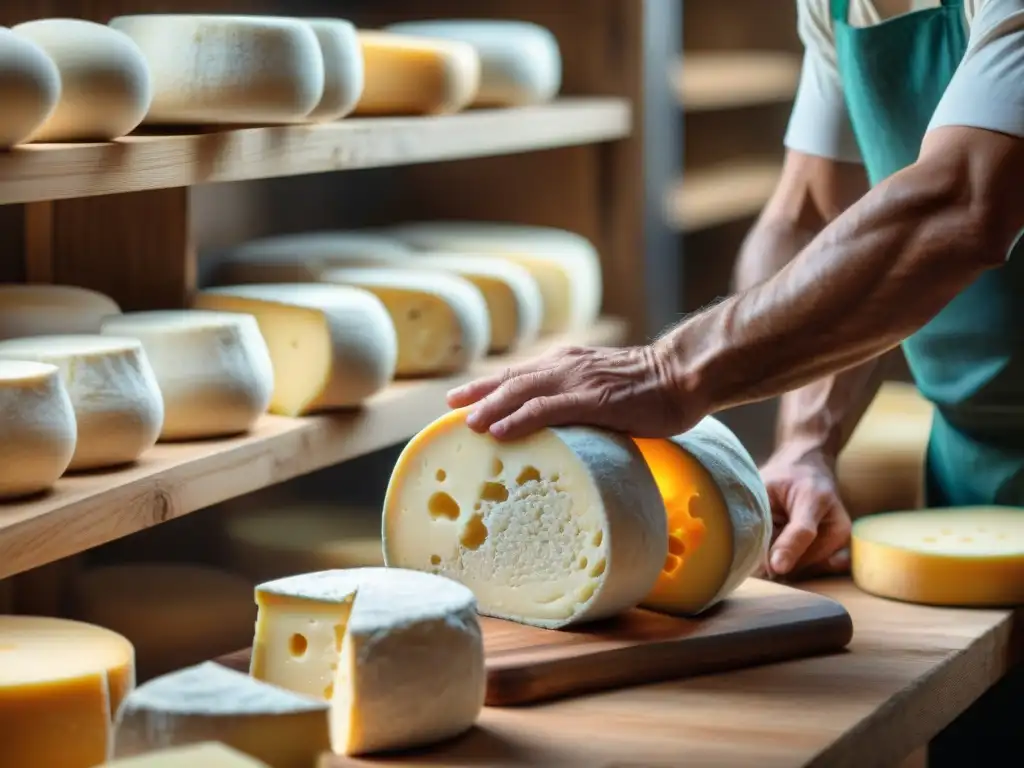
987,90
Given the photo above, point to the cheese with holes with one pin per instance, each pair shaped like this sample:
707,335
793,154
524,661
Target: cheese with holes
520,62
416,76
118,406
206,755
211,68
29,88
399,654
560,527
211,702
105,88
331,346
343,69
37,421
44,310
175,614
441,320
959,556
213,368
565,265
60,684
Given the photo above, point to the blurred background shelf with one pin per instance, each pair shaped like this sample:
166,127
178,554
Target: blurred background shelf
718,195
724,80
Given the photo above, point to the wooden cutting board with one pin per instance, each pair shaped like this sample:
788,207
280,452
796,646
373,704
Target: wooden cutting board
762,622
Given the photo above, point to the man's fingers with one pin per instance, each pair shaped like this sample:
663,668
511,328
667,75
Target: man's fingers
473,391
544,411
512,395
796,537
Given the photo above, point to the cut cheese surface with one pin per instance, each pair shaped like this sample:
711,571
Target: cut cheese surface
561,527
520,62
408,75
398,654
37,421
29,88
441,320
43,310
206,755
213,368
105,83
343,69
331,346
209,702
118,406
226,69
961,556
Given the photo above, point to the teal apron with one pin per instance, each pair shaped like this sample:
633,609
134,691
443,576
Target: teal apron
969,360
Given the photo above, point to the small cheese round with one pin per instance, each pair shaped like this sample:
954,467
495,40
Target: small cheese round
44,310
37,422
209,754
29,88
118,407
213,368
228,69
105,84
343,69
560,527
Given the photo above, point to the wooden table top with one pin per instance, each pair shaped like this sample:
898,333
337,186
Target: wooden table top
909,672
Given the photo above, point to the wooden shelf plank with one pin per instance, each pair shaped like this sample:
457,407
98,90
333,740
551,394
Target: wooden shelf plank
717,195
172,480
37,172
725,80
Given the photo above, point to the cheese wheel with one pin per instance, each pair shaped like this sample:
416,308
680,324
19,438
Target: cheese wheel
62,681
105,85
565,265
416,76
118,406
398,654
331,346
343,69
520,62
175,614
960,556
29,88
228,69
37,421
213,368
561,527
44,310
208,755
208,702
441,320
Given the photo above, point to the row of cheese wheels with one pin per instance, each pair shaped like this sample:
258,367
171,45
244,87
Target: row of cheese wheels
73,80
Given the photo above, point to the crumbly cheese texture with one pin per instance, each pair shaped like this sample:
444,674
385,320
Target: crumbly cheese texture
228,69
44,310
520,62
561,527
441,320
344,74
29,88
105,82
118,406
60,684
37,421
210,702
213,368
398,654
407,75
206,755
960,556
331,346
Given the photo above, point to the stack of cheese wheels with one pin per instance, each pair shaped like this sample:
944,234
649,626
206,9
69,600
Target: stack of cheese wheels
208,754
44,310
609,523
520,62
29,88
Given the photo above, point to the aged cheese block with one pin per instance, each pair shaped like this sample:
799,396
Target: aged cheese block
209,702
560,527
399,654
213,368
29,88
343,69
105,84
44,310
961,556
209,754
331,346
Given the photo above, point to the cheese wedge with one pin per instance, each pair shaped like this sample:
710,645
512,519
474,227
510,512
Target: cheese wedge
399,654
45,310
207,755
343,69
29,88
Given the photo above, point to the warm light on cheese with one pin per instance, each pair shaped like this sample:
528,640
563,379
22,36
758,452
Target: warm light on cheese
343,69
44,310
29,88
207,755
961,556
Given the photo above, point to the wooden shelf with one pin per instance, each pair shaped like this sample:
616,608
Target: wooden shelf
85,511
713,196
724,80
39,172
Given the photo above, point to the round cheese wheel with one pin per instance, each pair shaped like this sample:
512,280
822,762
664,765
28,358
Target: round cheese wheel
343,69
105,85
29,88
44,310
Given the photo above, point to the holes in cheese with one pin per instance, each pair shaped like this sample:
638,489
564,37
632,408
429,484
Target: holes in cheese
61,684
561,527
213,368
210,702
343,69
117,402
206,755
29,88
44,310
966,556
331,346
399,654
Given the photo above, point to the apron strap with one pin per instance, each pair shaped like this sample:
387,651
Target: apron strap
841,10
